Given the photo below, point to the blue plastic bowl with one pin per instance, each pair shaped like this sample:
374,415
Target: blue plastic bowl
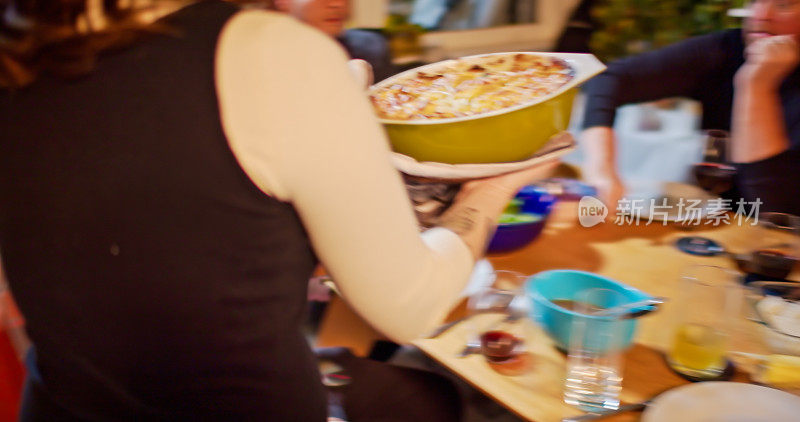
536,200
546,286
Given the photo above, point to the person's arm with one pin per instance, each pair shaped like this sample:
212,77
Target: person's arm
676,70
600,167
672,71
758,130
759,141
479,204
303,131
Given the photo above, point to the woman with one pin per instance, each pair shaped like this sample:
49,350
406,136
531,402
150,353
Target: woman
748,82
162,210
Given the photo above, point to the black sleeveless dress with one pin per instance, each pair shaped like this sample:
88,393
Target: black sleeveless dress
157,280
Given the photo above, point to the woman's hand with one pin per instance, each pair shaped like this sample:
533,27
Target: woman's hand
510,183
479,204
758,130
362,72
769,61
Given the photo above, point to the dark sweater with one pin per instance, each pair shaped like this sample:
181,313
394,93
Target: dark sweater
371,47
157,280
702,68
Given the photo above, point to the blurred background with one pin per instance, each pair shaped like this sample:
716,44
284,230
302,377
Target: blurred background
607,28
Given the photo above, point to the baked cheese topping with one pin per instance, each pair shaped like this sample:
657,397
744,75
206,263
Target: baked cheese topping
470,86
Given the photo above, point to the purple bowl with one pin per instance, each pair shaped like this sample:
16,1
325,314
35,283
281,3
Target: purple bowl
512,236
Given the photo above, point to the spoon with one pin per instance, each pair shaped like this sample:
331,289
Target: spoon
624,310
444,327
473,346
790,289
514,306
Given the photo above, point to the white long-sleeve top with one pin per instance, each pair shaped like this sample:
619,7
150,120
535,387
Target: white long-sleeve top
304,132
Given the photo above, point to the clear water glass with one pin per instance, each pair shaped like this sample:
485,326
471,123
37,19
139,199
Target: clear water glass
594,363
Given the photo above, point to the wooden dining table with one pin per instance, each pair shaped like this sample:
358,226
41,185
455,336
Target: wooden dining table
643,256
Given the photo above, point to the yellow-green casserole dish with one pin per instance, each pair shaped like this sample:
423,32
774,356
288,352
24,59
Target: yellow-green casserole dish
509,134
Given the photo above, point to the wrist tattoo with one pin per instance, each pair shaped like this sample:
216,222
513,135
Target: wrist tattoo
461,221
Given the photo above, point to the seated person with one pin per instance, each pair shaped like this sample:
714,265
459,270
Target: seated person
748,82
329,17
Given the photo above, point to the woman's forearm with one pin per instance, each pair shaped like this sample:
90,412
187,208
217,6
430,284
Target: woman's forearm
599,143
480,203
758,130
474,217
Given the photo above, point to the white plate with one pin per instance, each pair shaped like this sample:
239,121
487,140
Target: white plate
560,144
723,402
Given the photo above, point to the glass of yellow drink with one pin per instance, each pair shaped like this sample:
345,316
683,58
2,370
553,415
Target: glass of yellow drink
708,303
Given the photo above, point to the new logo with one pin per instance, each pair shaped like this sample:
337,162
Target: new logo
591,211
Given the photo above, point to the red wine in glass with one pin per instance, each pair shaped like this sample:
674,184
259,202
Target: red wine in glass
715,178
772,263
499,346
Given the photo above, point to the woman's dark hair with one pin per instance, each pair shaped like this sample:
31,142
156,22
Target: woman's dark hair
65,37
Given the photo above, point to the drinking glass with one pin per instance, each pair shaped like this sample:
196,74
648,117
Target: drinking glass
596,346
495,312
715,174
706,307
775,245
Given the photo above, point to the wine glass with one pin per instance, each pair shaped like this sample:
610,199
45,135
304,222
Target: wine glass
774,246
714,173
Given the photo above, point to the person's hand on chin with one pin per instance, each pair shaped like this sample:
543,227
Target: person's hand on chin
768,61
